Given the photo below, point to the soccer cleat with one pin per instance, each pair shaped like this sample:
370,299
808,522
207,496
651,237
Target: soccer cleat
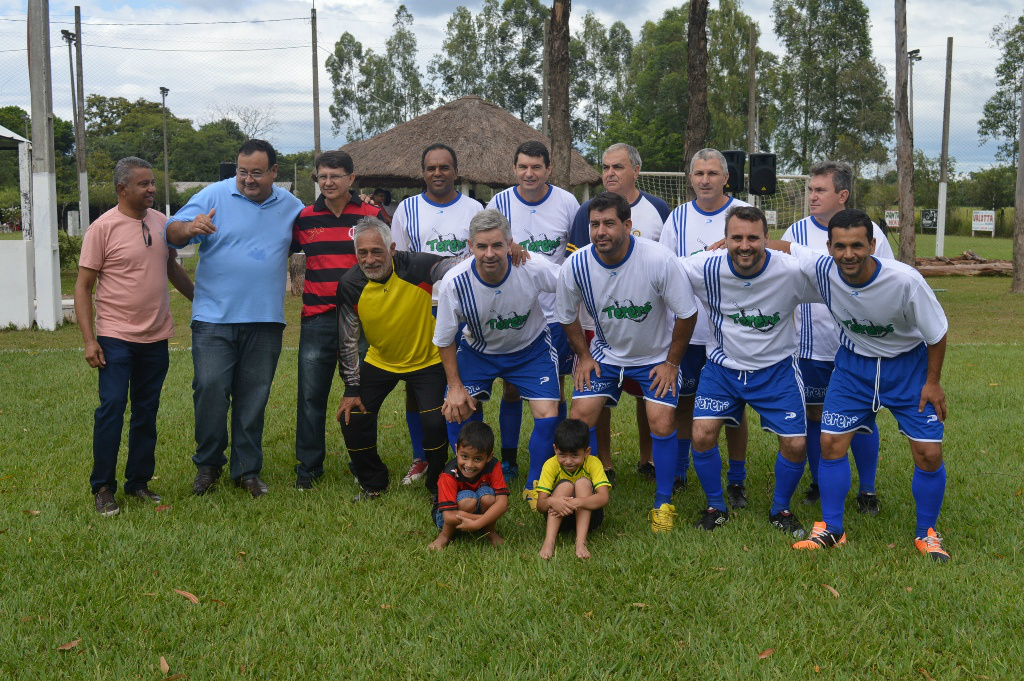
530,497
813,495
509,470
105,504
416,471
868,503
787,522
712,519
931,545
737,495
366,495
646,471
678,484
303,484
820,538
662,518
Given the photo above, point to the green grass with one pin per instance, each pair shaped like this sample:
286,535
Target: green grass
312,586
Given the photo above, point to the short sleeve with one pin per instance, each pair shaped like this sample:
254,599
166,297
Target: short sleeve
544,274
449,313
882,247
92,249
927,314
579,233
567,297
595,471
669,235
677,290
498,483
548,473
447,492
203,201
399,222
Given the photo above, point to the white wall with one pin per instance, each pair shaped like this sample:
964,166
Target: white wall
17,284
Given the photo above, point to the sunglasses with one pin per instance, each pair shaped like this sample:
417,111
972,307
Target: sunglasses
146,236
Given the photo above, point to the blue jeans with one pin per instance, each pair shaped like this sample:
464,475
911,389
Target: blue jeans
138,369
318,363
234,367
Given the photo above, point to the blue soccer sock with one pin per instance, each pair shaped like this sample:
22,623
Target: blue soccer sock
929,490
510,423
682,458
787,477
834,479
865,454
737,474
593,441
708,466
453,434
664,452
813,448
412,419
541,447
563,412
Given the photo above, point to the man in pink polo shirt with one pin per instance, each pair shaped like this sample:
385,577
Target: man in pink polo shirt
125,256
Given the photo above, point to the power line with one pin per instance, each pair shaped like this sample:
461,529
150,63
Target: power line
160,49
169,23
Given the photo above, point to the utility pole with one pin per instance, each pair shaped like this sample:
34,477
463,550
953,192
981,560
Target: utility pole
316,89
1017,286
752,99
545,128
912,56
167,177
940,229
69,37
81,155
904,141
44,178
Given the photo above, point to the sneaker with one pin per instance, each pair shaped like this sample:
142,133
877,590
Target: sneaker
646,471
931,545
787,522
712,519
820,538
303,484
737,495
813,495
678,484
105,504
416,471
145,494
530,497
868,503
509,470
662,518
366,495
610,474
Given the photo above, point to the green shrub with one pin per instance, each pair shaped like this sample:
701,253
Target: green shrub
70,248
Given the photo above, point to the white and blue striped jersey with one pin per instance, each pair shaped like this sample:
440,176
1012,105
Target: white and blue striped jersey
647,215
499,318
690,230
819,335
542,228
891,314
631,303
751,317
422,226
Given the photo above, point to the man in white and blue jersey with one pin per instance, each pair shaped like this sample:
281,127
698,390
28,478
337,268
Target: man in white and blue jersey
691,228
505,333
631,287
620,168
892,336
435,221
540,214
828,190
749,294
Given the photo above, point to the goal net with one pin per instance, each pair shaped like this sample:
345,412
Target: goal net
787,205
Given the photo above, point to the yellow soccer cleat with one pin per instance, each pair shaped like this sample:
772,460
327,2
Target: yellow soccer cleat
662,518
530,497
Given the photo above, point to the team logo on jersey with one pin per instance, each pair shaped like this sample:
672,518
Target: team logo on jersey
759,322
628,310
446,243
515,322
541,244
636,232
867,328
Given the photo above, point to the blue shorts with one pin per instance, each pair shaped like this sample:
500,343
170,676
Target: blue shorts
566,357
816,374
860,386
481,491
533,370
610,384
690,367
776,393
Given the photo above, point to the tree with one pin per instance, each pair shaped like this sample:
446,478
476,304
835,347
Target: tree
1001,116
600,59
457,69
832,97
254,121
343,65
410,97
523,32
697,68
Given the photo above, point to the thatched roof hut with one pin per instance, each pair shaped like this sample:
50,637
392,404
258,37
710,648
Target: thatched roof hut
482,134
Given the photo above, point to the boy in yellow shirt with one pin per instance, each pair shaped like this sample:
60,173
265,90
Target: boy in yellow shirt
573,488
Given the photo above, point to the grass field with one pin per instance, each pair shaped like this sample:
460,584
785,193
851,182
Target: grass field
312,586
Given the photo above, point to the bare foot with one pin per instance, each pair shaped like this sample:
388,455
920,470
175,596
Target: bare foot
547,551
439,543
582,551
495,538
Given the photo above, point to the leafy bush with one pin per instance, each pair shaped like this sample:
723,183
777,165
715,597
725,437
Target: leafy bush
70,248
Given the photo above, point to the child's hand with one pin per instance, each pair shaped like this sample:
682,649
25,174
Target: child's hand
560,506
467,524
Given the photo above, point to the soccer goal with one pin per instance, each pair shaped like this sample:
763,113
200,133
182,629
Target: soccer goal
787,205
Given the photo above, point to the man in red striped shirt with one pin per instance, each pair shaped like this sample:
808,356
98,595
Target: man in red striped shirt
323,232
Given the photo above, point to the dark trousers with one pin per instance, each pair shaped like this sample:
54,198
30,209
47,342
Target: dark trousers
318,363
234,367
138,370
428,386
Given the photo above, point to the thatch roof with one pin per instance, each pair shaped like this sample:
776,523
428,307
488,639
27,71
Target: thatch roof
482,134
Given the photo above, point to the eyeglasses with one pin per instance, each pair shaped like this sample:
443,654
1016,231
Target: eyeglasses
332,178
146,236
255,174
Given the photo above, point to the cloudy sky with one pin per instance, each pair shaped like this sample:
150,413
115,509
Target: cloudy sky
211,60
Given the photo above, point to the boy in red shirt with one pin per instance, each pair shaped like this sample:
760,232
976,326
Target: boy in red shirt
471,492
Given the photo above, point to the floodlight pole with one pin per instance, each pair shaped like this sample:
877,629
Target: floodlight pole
70,38
912,56
167,177
81,156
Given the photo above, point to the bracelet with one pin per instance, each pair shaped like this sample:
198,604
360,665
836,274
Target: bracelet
671,364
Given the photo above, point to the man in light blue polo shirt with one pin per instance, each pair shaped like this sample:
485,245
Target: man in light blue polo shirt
244,229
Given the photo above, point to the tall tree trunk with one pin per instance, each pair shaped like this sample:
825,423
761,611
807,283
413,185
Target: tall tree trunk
697,70
904,141
558,97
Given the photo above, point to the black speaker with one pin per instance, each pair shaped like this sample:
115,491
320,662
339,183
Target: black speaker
762,174
736,160
227,169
